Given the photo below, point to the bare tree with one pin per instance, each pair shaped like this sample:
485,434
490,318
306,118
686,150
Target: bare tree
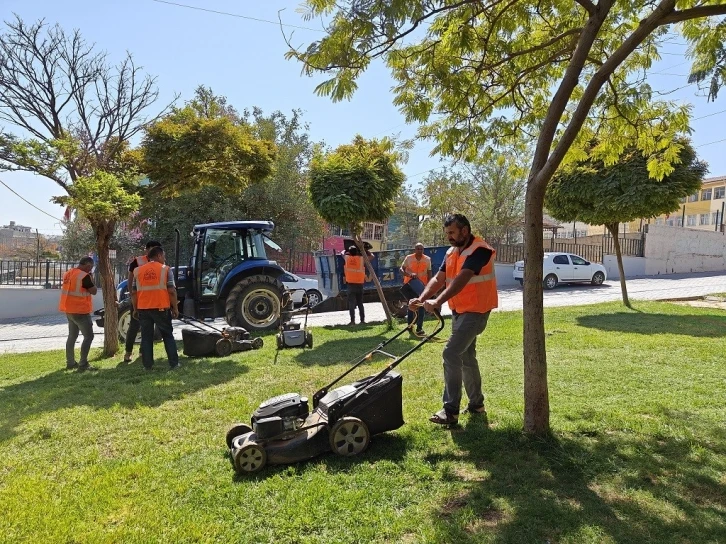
75,112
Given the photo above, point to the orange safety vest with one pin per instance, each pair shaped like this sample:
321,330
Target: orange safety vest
480,294
354,269
74,298
150,280
420,268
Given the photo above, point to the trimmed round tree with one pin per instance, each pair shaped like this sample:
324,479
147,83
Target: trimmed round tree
600,194
354,184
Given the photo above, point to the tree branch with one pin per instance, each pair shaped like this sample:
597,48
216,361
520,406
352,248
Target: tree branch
589,6
646,27
676,16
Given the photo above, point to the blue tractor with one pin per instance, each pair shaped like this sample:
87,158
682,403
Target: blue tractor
229,276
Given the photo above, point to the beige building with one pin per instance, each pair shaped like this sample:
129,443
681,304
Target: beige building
702,210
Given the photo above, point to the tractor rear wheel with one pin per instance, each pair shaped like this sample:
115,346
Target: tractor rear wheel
255,303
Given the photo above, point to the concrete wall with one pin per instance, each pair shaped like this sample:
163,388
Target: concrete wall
675,250
633,266
20,302
504,275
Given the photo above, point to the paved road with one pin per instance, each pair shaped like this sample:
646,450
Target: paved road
49,332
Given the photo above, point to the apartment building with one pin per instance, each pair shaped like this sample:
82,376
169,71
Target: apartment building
373,233
702,210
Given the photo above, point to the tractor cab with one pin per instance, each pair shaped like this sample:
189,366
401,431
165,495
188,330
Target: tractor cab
223,253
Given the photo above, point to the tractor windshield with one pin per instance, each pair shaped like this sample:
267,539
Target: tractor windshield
223,249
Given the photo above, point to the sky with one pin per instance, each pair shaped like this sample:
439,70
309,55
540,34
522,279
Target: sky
241,57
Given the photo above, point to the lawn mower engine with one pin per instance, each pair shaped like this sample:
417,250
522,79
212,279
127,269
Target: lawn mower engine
278,415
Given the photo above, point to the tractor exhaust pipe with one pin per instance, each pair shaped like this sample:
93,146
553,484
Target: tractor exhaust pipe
176,257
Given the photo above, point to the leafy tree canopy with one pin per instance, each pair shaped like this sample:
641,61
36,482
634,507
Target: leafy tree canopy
599,194
202,144
357,182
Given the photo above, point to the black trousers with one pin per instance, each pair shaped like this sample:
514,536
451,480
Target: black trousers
134,328
162,320
355,298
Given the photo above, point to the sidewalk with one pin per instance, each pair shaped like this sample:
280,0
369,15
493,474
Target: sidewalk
49,332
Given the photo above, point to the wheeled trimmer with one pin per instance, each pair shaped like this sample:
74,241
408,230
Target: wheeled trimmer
283,430
205,339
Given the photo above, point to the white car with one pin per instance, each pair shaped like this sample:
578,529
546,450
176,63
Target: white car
565,268
300,287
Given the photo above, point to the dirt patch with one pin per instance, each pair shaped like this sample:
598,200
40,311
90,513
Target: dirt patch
703,302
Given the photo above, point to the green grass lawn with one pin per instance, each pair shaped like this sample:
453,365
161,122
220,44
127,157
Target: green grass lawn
638,452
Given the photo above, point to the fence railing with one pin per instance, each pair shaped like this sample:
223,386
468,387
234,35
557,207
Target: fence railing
589,253
46,274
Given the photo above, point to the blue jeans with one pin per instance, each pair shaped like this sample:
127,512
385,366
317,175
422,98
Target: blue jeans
420,313
460,362
79,323
162,320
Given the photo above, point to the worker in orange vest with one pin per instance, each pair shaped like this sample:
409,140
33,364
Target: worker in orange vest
134,325
153,296
417,265
471,292
355,276
77,304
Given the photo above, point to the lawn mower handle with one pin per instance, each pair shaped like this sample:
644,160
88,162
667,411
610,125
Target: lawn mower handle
324,390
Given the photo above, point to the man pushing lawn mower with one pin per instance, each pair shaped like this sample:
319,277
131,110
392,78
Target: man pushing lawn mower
471,291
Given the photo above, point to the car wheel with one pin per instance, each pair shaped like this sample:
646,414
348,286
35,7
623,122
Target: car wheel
550,282
314,297
250,458
349,436
598,278
238,429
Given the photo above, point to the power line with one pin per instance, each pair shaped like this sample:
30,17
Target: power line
709,115
277,23
709,143
28,202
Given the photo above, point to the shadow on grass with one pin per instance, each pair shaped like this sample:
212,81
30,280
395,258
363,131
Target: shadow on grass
383,447
350,350
128,386
615,488
707,326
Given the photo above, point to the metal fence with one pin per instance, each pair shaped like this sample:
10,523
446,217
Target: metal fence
46,274
589,253
298,262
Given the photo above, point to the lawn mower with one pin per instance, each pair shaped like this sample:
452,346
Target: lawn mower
291,334
343,419
205,339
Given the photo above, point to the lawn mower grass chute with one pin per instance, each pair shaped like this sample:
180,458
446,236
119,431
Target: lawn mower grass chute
283,430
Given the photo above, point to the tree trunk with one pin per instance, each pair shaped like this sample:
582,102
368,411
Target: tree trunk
536,396
614,229
103,231
374,277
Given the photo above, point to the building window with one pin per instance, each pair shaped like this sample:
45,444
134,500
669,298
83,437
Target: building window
658,220
693,198
706,194
679,221
368,231
719,192
682,200
714,218
691,220
669,222
703,220
378,232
